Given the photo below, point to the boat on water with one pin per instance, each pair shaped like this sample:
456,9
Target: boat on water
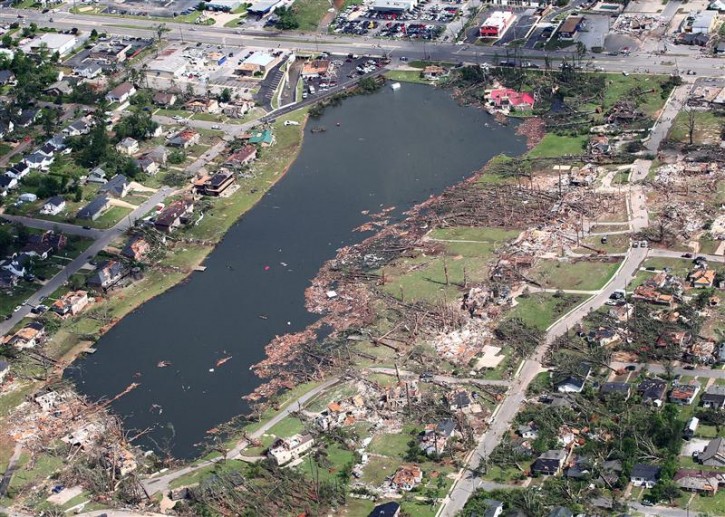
395,86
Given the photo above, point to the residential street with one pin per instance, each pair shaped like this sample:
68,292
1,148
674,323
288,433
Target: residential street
73,267
658,368
42,224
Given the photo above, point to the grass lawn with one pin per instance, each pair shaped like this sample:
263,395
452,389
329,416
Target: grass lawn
408,76
20,293
554,145
709,505
287,427
706,129
581,275
357,507
618,243
619,85
679,267
310,12
337,459
109,218
540,310
467,254
34,471
378,469
392,445
499,475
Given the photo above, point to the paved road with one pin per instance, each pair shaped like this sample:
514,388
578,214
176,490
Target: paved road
73,267
41,224
659,369
343,44
442,378
161,483
678,254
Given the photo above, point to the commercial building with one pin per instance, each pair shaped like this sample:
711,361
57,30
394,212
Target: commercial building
258,64
60,43
394,5
496,24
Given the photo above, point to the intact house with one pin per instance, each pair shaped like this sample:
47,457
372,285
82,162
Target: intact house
609,389
71,303
7,183
107,274
7,77
285,450
127,146
97,175
6,127
18,171
714,453
653,391
117,187
94,208
79,127
406,478
28,116
529,431
700,481
549,463
147,165
121,93
574,382
30,336
136,248
243,156
645,475
684,394
88,69
53,206
38,160
164,99
434,437
184,139
173,215
714,397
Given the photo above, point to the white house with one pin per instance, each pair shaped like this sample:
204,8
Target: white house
53,206
121,93
284,451
88,70
127,146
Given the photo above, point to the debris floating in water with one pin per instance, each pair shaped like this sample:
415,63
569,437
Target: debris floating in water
211,370
163,364
222,361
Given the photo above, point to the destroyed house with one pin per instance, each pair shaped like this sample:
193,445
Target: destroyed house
71,303
171,217
136,248
651,295
217,184
434,437
107,274
702,278
684,394
285,450
29,336
400,395
459,399
406,478
242,156
45,244
184,139
701,481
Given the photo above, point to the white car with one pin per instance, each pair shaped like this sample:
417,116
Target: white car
216,126
291,123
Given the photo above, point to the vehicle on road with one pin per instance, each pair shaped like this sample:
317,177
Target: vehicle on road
39,309
687,255
17,308
689,367
625,73
216,126
642,244
403,58
86,227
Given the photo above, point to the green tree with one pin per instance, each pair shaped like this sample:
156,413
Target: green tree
6,241
286,19
7,41
226,95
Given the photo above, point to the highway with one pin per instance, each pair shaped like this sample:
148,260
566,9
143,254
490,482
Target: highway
435,51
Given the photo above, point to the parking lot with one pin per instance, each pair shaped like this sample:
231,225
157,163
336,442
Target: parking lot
342,69
427,21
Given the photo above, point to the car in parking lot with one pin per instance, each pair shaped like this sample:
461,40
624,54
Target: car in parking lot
630,367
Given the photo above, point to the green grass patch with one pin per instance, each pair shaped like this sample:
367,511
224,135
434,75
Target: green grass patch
580,275
392,445
540,310
706,129
619,86
310,13
556,145
407,76
714,505
336,459
288,426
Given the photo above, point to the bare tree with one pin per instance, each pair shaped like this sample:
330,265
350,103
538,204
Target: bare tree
691,121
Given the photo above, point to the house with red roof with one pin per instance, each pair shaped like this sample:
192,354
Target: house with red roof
509,99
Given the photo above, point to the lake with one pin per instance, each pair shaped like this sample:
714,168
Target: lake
392,148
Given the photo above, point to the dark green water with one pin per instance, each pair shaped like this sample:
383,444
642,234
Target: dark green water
391,149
